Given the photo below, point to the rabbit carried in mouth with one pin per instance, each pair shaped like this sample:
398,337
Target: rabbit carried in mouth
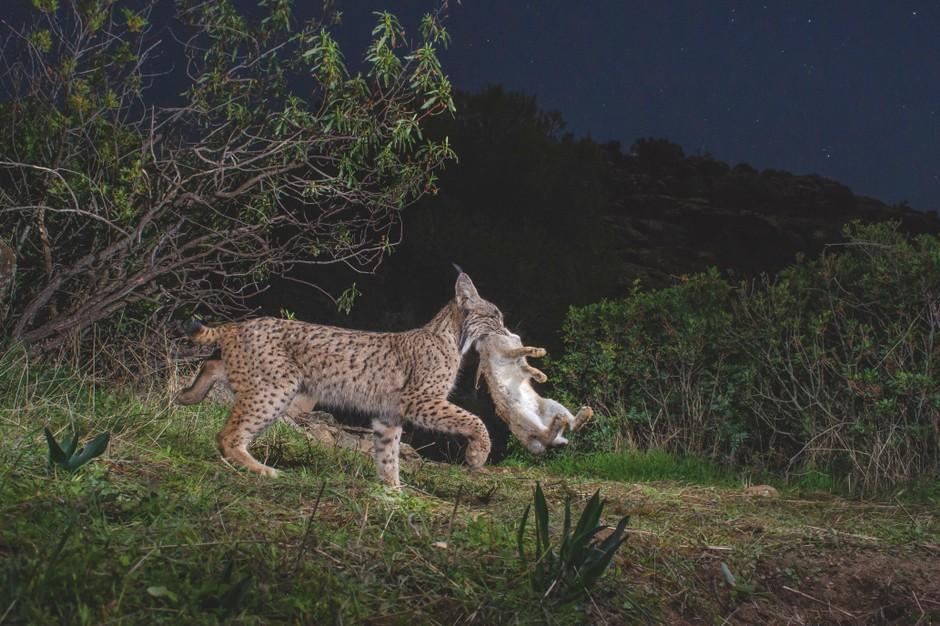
537,422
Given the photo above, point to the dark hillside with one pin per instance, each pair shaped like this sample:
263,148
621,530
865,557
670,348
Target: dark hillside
542,221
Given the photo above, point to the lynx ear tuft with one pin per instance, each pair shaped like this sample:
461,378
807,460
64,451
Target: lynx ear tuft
457,267
464,290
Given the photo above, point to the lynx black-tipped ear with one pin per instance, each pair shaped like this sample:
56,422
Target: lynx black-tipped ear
464,290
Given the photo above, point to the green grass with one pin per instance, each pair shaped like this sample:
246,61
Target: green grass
159,530
656,465
635,465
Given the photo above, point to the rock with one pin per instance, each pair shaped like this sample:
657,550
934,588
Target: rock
323,428
763,491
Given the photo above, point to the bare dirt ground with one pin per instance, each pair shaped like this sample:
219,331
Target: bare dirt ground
816,559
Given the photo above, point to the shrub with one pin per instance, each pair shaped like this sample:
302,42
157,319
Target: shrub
128,203
829,367
652,365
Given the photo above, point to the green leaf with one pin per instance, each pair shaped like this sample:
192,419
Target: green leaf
541,523
69,449
56,455
566,548
615,536
599,563
591,514
162,592
92,449
587,525
520,534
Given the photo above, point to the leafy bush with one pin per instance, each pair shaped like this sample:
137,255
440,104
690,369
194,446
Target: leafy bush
829,367
121,205
652,365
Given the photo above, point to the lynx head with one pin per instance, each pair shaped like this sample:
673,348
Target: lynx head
481,317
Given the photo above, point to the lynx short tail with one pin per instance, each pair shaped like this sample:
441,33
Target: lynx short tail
200,333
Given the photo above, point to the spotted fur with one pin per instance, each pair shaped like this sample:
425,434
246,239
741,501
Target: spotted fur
535,421
394,377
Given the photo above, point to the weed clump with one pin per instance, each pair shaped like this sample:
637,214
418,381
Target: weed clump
566,572
70,457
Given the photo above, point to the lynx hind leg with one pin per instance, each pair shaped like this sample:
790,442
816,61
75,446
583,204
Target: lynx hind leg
585,413
535,373
386,442
514,353
211,372
443,416
255,409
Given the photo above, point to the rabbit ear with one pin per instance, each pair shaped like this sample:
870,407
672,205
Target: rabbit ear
465,291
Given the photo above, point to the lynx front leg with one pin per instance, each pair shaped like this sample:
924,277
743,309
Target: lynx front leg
386,441
441,415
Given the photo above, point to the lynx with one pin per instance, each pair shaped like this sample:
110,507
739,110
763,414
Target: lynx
394,377
537,422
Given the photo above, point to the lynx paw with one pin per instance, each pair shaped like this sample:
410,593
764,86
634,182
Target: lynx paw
477,453
268,472
538,353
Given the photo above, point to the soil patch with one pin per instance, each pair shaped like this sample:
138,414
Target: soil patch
845,585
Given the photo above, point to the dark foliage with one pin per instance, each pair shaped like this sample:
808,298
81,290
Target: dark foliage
70,456
543,220
829,367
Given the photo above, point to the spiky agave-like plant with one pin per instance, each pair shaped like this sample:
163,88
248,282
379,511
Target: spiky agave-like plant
567,571
69,457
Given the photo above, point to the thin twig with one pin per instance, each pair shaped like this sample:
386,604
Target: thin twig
828,604
303,541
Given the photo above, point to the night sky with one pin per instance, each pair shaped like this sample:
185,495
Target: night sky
849,89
